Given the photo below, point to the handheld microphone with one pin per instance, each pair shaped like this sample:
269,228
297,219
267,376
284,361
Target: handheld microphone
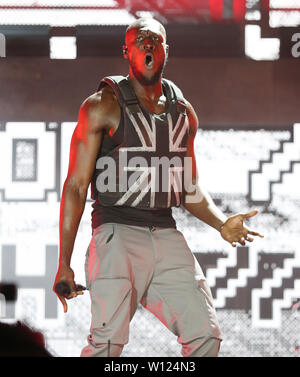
63,288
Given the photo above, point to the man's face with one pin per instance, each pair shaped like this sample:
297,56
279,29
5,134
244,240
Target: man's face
147,52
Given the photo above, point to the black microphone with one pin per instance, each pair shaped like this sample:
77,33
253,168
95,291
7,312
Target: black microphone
63,288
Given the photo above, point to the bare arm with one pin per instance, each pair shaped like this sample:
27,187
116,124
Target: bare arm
94,118
200,204
198,201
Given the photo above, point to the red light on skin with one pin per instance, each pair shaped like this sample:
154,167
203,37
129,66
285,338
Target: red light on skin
146,51
142,42
111,132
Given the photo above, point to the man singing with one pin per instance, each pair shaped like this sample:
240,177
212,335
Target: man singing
134,144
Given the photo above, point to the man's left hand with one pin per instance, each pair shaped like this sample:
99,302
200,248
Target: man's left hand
234,230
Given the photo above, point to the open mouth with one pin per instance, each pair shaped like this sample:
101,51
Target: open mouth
149,60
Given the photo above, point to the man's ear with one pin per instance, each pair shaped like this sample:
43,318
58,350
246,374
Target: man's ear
125,52
167,50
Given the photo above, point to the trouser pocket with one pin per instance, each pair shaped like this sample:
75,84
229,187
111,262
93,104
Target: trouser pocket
95,254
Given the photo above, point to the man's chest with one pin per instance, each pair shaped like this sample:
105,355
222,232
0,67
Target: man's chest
163,134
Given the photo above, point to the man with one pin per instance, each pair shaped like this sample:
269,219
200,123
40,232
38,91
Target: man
136,253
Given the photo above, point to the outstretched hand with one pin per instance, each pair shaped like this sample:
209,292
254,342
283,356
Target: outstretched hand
234,230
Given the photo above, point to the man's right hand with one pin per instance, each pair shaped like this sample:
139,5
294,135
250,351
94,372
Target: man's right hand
66,274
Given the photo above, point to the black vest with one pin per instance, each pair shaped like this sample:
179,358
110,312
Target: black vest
142,165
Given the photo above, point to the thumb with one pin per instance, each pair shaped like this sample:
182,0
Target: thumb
250,214
64,303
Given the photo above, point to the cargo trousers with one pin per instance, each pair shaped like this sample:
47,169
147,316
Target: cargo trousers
126,265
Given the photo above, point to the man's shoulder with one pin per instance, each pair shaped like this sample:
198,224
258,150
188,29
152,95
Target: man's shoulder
104,95
100,101
100,109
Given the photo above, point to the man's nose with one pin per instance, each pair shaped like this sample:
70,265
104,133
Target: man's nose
148,45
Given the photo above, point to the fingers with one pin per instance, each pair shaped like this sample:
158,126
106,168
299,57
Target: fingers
234,231
73,294
79,293
248,231
242,240
255,233
64,302
250,214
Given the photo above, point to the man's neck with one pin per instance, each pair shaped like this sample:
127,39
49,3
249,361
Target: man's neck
150,93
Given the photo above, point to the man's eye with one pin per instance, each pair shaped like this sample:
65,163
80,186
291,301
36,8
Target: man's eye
141,38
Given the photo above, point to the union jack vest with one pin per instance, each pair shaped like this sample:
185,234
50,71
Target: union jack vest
142,164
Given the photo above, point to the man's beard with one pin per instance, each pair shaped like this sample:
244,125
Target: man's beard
146,81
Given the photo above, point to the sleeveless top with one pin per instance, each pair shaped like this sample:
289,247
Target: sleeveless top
138,175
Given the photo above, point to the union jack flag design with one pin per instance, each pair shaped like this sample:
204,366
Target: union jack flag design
150,158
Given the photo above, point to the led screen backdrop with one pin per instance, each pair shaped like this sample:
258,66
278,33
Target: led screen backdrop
256,287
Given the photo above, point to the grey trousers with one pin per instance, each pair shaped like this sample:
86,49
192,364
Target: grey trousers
128,264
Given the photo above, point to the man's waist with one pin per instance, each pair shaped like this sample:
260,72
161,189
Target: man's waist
132,216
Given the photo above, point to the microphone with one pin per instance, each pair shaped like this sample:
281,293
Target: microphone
63,288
